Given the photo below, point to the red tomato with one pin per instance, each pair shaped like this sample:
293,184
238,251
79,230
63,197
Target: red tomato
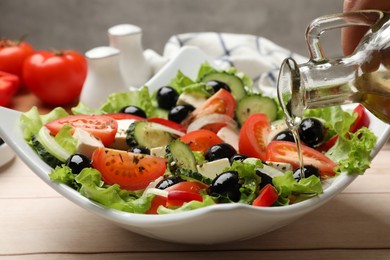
131,171
362,120
189,186
267,197
284,151
177,198
221,102
201,140
168,123
9,84
252,140
102,127
12,55
55,77
121,116
156,202
184,192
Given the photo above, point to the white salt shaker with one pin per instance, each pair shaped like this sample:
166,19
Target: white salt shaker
127,39
104,76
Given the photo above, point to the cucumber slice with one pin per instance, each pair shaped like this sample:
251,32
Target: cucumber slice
256,103
49,143
236,85
148,134
47,157
180,156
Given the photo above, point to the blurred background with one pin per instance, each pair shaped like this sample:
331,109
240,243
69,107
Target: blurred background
83,24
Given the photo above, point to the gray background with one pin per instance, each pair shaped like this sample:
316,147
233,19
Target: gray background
83,24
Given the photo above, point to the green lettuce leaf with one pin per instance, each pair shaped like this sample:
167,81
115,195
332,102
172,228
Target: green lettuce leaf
110,196
287,186
116,101
180,81
31,121
139,98
353,153
65,139
207,201
336,120
65,176
247,171
204,69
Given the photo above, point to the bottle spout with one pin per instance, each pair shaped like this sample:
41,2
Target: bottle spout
290,91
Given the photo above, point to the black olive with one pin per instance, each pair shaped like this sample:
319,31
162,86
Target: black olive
265,178
285,136
133,110
140,149
179,113
215,85
308,170
311,131
226,186
167,182
166,97
77,162
219,151
237,157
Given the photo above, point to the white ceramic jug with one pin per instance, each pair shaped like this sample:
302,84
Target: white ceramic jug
104,76
127,39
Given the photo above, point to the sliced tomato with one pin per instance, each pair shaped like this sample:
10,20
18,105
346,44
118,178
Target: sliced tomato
185,191
122,116
284,151
328,144
201,140
252,140
177,198
362,120
168,123
190,186
221,102
156,202
267,196
132,171
100,126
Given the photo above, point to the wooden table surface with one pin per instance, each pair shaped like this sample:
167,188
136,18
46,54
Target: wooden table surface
38,223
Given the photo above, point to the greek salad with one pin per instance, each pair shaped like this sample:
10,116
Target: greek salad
194,143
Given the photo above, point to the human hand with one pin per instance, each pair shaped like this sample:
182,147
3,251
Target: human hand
351,36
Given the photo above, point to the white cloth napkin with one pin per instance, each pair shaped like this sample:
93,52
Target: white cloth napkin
258,57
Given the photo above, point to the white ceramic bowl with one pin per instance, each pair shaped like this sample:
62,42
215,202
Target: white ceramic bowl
208,225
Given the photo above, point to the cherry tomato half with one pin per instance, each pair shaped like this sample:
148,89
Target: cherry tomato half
201,140
267,196
100,126
253,136
284,151
55,77
132,171
221,102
